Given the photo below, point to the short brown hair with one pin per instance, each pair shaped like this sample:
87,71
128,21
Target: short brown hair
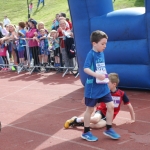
22,24
97,35
114,78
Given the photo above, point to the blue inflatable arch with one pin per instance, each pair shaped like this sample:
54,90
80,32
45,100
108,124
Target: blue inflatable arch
128,49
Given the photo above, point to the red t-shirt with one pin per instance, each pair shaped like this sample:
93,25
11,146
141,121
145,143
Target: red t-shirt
60,34
70,24
118,96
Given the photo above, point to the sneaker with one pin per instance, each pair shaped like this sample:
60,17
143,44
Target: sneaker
68,122
89,137
111,133
3,69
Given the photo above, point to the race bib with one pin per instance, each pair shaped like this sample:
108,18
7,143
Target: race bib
100,69
116,100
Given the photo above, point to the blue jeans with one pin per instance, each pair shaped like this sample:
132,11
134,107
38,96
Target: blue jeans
1,60
40,1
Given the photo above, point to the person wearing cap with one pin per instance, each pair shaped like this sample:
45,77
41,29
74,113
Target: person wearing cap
33,44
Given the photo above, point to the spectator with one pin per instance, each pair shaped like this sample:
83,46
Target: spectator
10,40
55,24
70,24
6,21
62,15
63,18
3,50
64,31
21,43
33,44
40,1
43,43
56,47
30,7
3,30
39,27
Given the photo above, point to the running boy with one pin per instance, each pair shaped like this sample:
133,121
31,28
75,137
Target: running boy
96,88
99,118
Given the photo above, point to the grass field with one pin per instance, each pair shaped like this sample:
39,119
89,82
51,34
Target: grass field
16,10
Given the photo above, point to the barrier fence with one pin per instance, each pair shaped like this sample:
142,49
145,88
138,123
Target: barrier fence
31,59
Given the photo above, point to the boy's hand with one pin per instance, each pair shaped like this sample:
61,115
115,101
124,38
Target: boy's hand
130,121
35,33
83,100
100,76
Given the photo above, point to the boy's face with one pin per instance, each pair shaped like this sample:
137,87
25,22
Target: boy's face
101,45
111,85
57,17
41,26
53,34
42,33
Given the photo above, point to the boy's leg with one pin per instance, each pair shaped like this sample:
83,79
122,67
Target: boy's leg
109,115
87,135
87,116
70,122
79,121
100,124
110,112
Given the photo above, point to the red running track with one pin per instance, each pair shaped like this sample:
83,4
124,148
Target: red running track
33,109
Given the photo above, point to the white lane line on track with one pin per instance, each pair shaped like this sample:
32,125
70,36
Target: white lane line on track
18,90
126,141
56,137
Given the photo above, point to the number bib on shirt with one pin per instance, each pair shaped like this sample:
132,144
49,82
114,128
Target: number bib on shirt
116,100
100,69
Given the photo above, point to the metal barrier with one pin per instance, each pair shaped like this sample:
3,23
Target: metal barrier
31,61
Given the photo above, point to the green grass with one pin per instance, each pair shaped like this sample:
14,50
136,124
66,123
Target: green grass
120,4
16,10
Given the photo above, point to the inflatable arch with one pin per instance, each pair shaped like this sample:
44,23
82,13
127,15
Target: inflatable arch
128,48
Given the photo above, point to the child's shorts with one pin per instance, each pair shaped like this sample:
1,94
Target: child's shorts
57,52
44,51
21,54
92,102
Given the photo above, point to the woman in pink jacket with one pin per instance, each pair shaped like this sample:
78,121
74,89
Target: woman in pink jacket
33,44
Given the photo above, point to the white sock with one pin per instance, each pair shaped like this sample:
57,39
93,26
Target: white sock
78,120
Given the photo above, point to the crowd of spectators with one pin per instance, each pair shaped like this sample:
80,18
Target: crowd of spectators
46,47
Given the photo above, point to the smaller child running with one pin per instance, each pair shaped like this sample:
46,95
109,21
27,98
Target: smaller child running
99,118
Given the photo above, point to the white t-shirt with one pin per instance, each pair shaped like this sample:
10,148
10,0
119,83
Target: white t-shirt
6,21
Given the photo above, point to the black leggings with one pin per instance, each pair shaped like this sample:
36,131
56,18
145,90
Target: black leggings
5,60
35,53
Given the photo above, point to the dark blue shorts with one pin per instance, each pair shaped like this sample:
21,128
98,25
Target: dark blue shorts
92,102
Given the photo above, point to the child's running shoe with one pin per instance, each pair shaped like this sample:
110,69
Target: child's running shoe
112,134
69,122
89,137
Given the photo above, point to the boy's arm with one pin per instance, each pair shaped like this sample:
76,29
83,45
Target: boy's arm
94,74
131,113
57,41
